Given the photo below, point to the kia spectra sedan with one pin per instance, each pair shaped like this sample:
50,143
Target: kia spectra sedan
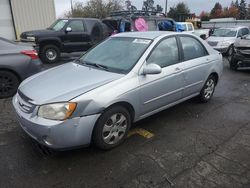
124,79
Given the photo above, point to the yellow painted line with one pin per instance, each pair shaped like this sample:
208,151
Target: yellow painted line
142,132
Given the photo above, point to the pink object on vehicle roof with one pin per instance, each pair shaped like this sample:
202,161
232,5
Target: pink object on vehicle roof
141,24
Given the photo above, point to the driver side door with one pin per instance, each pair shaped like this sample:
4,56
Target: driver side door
159,90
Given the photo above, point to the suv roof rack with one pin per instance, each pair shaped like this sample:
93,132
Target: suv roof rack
125,13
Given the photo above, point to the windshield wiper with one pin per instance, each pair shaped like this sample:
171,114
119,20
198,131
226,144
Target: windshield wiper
96,65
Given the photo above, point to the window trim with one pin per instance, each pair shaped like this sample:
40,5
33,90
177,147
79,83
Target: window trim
67,25
157,44
181,47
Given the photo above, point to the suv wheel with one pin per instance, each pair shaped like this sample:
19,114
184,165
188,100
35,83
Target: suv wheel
208,89
50,54
9,83
111,128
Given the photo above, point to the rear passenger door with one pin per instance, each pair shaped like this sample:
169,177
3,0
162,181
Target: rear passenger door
195,64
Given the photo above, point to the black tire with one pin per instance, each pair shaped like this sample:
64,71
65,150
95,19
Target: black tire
206,94
233,64
49,53
9,83
230,50
105,120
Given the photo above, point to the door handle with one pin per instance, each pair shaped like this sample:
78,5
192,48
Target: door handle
177,69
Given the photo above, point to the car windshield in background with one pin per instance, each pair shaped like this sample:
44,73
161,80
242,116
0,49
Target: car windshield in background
224,33
58,25
116,54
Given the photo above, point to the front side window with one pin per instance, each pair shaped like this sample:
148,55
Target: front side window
117,54
165,54
192,48
58,25
76,26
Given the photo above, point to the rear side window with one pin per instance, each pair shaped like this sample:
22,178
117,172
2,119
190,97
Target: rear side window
192,48
76,26
190,28
5,44
165,54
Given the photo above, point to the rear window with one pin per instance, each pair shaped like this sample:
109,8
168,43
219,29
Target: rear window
4,43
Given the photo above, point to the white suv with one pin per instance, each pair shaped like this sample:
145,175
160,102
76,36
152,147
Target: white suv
223,39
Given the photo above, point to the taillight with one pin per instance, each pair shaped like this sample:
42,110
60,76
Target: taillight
31,53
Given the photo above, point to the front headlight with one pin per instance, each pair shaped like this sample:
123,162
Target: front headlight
56,111
31,39
225,44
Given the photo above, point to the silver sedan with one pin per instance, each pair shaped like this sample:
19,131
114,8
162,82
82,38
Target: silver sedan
124,79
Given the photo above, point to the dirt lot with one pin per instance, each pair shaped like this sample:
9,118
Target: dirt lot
194,145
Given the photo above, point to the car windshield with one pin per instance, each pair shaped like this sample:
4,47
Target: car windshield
224,33
118,54
58,25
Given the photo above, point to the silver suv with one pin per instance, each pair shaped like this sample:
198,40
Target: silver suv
223,39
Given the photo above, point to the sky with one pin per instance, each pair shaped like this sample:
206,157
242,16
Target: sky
195,6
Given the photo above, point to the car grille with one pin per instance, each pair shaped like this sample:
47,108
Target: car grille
212,43
24,103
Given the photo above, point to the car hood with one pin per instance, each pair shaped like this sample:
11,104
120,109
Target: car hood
36,33
221,39
64,83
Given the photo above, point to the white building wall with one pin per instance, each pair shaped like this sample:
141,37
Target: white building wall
32,14
6,24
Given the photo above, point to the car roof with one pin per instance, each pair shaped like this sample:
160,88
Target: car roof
146,35
232,27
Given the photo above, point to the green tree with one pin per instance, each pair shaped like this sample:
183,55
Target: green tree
94,8
242,10
204,16
129,5
179,12
148,5
217,11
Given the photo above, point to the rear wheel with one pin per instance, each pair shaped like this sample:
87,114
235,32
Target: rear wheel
9,83
111,128
208,89
49,54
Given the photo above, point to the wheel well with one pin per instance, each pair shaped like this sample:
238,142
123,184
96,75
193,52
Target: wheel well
12,71
128,106
49,42
216,77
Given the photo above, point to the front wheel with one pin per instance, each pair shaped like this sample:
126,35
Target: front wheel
208,89
111,128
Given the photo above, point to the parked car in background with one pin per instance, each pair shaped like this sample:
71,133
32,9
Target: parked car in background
66,35
241,55
126,78
202,33
223,39
185,26
17,62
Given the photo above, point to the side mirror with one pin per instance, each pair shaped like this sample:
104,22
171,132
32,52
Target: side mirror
151,69
68,29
